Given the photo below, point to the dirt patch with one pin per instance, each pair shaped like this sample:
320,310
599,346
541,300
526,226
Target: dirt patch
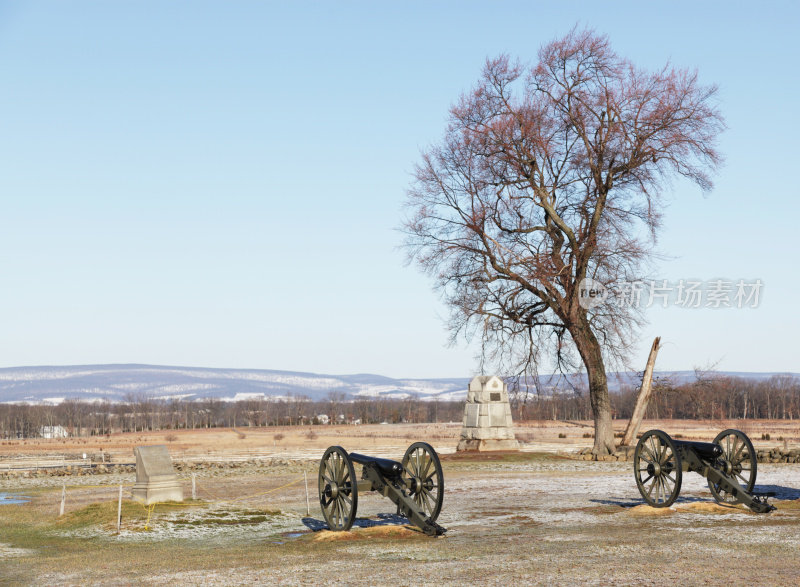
710,507
392,532
599,510
523,521
695,507
792,504
648,511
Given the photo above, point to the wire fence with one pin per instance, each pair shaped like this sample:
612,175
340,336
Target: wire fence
200,491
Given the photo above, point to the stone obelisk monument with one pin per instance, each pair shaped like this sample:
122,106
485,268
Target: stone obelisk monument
487,416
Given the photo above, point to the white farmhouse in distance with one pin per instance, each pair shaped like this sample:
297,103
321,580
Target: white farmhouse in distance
53,432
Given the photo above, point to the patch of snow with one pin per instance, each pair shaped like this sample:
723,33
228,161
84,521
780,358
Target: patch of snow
7,551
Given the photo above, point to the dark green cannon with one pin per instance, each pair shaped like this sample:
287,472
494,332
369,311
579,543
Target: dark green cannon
728,463
415,485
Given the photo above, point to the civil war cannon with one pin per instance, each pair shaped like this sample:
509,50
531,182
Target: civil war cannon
415,485
728,463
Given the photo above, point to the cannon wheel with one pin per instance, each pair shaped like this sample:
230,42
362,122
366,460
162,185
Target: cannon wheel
738,462
338,489
657,467
422,474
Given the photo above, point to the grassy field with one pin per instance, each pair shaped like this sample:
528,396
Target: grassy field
313,440
531,517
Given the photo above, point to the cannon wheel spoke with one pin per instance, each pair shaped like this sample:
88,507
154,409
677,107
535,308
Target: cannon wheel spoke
421,462
338,493
423,502
652,457
657,468
738,457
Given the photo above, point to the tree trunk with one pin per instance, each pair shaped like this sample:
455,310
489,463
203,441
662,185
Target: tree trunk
643,397
589,349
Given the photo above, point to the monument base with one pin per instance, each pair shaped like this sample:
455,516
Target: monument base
487,444
156,480
158,491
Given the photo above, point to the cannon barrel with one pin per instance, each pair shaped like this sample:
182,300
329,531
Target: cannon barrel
416,486
387,467
728,464
705,450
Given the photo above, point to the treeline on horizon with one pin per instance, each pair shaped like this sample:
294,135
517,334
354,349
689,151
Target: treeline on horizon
709,397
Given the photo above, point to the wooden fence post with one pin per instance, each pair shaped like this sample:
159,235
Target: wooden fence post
308,506
119,509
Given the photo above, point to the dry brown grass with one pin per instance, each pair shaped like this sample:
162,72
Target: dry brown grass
551,435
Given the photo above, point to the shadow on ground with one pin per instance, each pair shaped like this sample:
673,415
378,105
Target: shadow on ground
630,503
776,491
780,491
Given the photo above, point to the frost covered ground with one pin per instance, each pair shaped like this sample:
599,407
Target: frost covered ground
526,519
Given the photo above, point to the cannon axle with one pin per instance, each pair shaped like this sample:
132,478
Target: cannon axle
415,485
728,464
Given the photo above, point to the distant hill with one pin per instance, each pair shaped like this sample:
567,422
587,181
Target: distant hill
122,382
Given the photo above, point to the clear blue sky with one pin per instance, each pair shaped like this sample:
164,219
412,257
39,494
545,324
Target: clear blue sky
221,183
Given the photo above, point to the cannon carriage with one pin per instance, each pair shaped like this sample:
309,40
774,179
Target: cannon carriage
728,464
415,485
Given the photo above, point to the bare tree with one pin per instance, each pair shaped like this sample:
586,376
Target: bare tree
335,399
548,175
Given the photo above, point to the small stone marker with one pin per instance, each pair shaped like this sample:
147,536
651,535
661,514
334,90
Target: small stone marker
156,480
487,416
